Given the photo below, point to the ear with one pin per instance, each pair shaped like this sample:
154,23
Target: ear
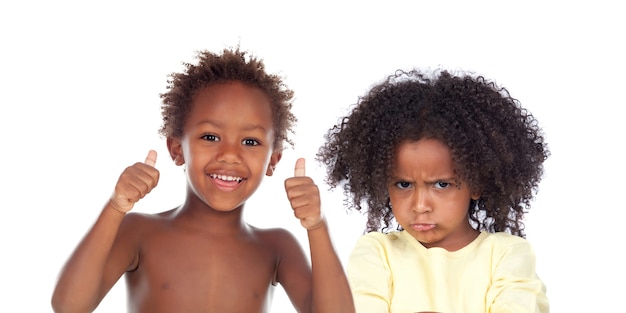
475,195
276,156
176,150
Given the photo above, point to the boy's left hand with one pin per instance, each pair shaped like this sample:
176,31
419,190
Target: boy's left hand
304,197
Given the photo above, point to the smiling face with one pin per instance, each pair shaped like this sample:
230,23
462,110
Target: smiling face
428,199
227,144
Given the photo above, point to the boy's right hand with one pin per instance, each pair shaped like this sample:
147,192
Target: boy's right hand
134,183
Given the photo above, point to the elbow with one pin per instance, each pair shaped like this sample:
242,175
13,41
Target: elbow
57,302
62,303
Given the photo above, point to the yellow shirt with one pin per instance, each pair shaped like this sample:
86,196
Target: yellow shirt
494,273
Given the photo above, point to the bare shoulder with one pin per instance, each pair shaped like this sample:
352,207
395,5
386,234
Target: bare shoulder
139,217
285,246
137,223
293,270
278,238
276,232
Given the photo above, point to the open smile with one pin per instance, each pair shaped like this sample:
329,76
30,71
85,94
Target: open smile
227,178
226,183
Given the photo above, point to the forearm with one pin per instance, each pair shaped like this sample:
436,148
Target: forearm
331,291
79,285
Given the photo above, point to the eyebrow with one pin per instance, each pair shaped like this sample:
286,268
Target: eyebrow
444,180
220,125
429,181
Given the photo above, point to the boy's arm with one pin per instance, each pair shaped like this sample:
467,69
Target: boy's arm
331,291
92,269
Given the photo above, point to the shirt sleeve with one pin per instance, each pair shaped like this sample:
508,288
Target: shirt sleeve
369,276
516,288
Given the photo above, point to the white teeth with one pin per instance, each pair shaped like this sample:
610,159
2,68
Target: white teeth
226,178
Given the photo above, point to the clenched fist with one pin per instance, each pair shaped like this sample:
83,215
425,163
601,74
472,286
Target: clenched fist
134,183
304,197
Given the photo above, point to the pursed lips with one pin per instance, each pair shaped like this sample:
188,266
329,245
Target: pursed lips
423,226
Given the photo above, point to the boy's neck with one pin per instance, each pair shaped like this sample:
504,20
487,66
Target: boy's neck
196,214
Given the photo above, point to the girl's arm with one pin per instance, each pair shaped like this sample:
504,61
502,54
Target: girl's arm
515,284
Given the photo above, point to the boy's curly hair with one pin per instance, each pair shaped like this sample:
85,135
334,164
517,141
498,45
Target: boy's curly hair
496,145
212,69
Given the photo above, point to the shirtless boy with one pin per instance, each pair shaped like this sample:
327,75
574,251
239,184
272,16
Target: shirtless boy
225,119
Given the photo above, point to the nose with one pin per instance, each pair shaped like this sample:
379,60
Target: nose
229,152
421,201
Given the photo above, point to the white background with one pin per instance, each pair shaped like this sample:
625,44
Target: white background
79,94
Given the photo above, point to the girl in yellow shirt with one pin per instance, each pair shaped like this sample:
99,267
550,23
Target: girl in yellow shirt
445,165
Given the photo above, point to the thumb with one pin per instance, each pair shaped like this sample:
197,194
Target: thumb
151,158
299,170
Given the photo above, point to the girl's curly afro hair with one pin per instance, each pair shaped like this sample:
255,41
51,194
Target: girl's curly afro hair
211,69
497,146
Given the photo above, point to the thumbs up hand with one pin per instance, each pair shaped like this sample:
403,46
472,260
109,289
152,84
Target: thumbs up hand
134,183
304,197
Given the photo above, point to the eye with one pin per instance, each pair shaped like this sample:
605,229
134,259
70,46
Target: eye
441,185
250,142
403,185
210,137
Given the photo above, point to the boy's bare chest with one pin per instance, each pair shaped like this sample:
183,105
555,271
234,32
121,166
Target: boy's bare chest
205,272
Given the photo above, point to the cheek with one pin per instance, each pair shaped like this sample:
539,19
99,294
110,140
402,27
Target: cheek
399,207
258,161
459,208
261,156
400,197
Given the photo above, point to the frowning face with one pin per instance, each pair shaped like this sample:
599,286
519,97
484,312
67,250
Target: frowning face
427,197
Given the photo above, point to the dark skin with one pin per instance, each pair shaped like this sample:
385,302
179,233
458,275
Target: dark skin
202,256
